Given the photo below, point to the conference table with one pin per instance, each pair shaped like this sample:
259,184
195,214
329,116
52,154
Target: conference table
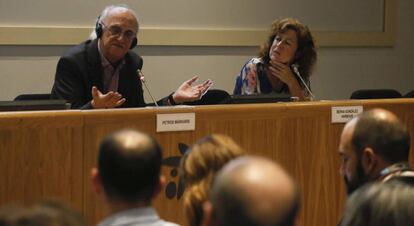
49,154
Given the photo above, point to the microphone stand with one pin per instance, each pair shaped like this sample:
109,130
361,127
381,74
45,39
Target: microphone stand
141,77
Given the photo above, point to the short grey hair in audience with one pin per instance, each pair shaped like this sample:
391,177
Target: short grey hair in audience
107,11
388,203
44,213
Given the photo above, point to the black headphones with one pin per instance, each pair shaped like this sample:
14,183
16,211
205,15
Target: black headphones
98,31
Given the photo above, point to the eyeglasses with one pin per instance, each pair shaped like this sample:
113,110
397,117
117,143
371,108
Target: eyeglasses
116,31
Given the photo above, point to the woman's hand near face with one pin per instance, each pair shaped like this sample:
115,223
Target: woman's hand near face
284,73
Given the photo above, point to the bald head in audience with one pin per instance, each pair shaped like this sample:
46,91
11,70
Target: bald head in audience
128,169
252,191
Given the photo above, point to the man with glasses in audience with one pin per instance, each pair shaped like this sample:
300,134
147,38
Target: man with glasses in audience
103,72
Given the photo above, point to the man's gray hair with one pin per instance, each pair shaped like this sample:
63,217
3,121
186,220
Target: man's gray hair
105,13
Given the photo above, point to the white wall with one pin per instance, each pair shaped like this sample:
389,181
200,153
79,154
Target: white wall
342,70
30,69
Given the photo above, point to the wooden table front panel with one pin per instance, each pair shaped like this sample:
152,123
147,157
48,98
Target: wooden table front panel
41,156
300,136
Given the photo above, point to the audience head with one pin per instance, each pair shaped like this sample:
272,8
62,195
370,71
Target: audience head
129,164
369,143
252,191
388,203
198,167
116,27
290,42
46,213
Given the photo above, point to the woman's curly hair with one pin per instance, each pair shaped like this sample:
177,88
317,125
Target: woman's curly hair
198,168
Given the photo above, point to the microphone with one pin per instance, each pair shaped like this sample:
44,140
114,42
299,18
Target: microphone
295,69
141,77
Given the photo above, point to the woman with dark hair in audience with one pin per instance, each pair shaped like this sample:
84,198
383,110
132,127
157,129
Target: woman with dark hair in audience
388,203
284,64
198,168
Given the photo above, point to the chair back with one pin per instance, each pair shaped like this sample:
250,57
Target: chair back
409,94
42,96
375,94
213,96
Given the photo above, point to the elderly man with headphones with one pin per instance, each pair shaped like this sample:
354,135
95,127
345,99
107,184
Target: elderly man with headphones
103,72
